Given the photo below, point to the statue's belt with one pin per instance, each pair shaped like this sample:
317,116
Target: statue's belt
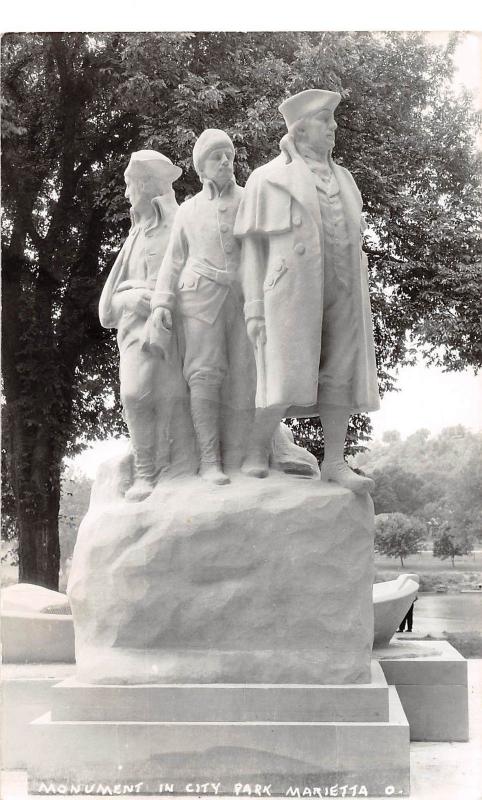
211,273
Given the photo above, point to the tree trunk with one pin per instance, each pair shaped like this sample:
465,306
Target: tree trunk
35,429
401,559
38,539
34,470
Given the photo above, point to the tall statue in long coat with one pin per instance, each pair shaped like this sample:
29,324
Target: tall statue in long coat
305,286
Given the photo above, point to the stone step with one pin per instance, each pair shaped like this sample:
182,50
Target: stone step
68,757
223,702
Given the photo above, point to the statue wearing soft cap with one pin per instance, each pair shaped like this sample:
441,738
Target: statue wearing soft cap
149,385
305,285
198,282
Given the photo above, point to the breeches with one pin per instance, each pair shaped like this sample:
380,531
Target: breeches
140,378
339,346
219,357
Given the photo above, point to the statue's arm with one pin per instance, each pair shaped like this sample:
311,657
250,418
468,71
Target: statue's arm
173,262
109,310
132,296
252,275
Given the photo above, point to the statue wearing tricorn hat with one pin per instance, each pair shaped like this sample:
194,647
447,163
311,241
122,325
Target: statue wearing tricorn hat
305,285
148,386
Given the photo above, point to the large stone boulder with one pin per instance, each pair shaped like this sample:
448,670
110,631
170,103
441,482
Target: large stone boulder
260,581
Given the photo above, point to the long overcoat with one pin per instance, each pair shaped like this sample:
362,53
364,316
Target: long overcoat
129,326
282,274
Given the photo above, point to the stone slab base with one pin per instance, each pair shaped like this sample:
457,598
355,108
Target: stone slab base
431,681
424,673
275,753
223,702
43,638
26,693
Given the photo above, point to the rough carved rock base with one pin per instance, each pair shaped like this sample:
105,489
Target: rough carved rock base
261,581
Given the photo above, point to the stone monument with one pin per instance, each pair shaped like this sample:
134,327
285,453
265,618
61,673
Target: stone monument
224,624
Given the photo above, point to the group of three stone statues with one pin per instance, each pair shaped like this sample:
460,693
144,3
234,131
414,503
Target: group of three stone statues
249,304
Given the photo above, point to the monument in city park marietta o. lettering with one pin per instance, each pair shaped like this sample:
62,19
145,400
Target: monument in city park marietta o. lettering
234,310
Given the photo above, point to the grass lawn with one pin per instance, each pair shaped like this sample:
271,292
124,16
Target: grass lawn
435,575
425,562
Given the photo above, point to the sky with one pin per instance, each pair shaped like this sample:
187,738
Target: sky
215,15
432,399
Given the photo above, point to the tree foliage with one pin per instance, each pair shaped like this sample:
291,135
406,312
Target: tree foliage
447,545
74,503
76,104
398,536
435,478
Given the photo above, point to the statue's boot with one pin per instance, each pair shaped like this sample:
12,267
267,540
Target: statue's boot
334,468
141,424
339,472
140,489
288,457
256,463
205,419
236,427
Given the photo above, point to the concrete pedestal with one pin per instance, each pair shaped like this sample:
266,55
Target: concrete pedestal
431,681
26,693
283,736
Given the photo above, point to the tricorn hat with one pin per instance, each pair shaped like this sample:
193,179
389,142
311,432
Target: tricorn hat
144,163
308,103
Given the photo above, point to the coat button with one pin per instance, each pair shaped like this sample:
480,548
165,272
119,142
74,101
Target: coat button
271,282
279,267
224,227
300,248
297,221
223,207
190,283
181,284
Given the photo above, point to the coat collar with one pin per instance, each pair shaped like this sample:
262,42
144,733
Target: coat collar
294,176
211,191
164,206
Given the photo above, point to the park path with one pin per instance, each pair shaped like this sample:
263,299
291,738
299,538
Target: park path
436,613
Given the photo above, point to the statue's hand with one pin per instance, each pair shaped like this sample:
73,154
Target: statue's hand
256,331
137,301
162,318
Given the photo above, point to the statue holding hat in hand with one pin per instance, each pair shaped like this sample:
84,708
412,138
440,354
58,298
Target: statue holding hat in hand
305,287
148,385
